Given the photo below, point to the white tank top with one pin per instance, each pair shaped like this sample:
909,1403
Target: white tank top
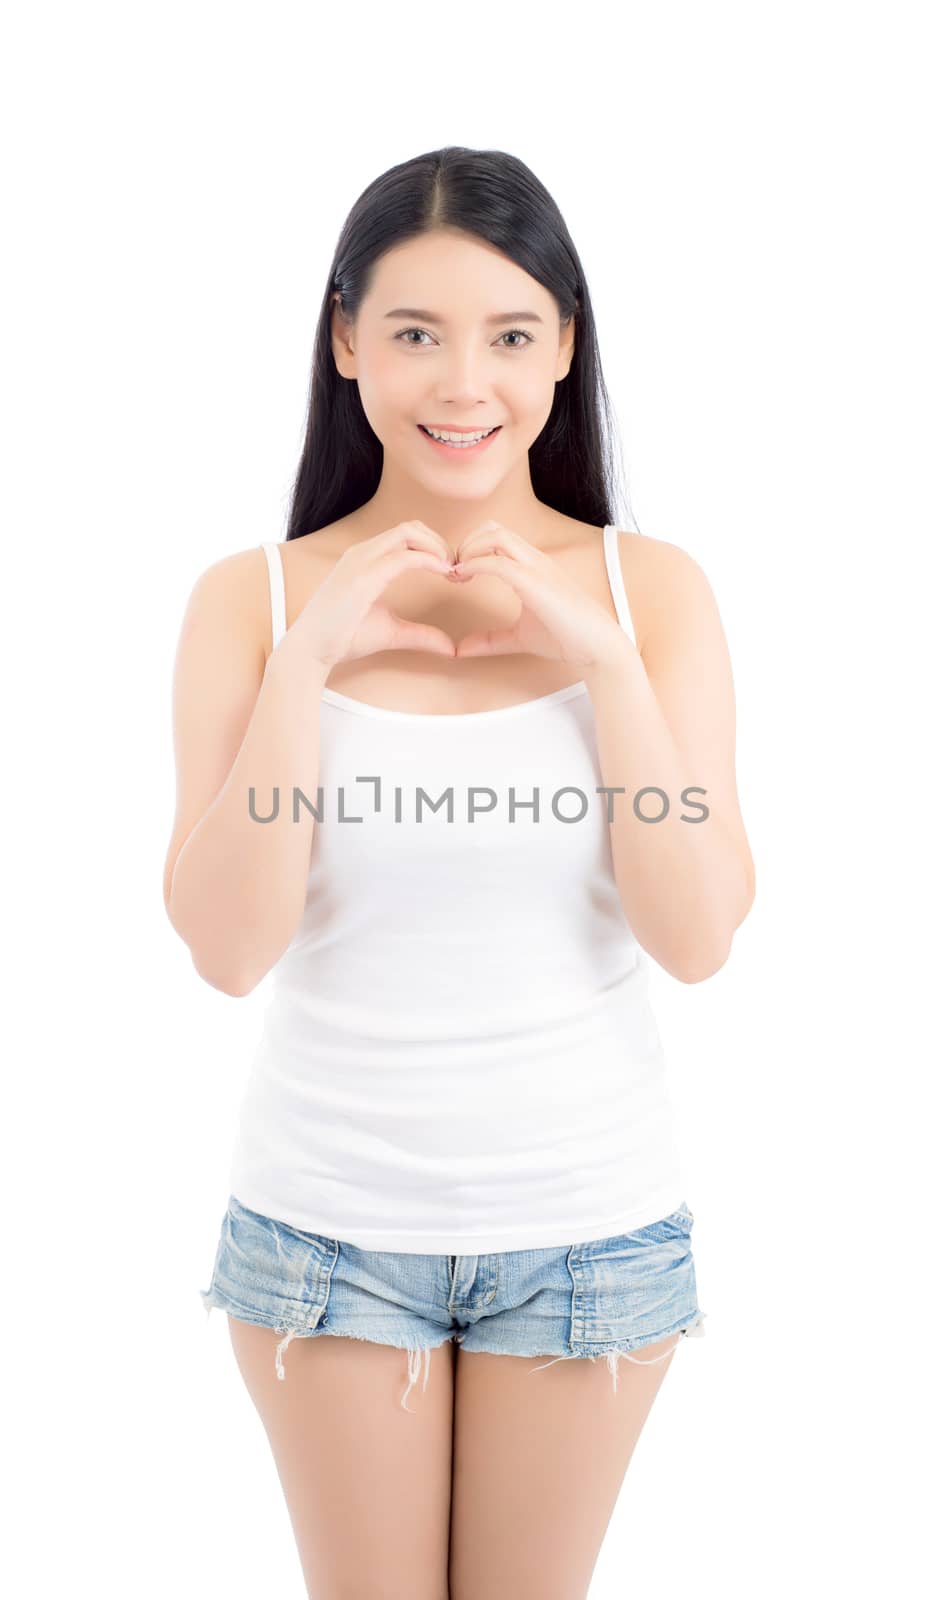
459,1053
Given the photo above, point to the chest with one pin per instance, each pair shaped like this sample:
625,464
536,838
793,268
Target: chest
482,804
419,682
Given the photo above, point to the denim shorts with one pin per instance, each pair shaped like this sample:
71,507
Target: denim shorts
605,1297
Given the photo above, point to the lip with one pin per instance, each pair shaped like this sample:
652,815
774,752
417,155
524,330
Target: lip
453,451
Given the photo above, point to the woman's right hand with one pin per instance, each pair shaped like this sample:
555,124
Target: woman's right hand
344,619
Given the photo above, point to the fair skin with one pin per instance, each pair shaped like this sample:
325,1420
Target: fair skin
499,1486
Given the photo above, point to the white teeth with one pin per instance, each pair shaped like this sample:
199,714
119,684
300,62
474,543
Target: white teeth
457,438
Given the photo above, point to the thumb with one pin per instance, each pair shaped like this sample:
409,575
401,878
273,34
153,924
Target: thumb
496,642
420,636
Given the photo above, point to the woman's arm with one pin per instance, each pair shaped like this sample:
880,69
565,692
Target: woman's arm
234,888
666,718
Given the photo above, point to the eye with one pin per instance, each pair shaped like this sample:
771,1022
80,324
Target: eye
522,334
520,331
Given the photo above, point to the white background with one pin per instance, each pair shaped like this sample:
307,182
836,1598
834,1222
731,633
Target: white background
758,195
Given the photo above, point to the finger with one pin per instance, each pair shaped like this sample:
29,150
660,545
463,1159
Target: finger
386,568
504,567
494,537
419,636
494,642
414,535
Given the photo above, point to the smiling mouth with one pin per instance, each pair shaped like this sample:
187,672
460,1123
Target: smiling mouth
462,438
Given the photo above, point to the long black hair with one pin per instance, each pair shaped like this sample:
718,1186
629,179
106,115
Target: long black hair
492,196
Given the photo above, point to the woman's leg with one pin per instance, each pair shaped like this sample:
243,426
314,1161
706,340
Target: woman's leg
539,1461
367,1482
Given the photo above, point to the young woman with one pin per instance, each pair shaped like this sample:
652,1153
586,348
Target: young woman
455,759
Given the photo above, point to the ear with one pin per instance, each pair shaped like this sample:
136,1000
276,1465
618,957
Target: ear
341,340
566,350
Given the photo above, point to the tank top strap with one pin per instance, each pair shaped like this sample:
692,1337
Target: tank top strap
617,586
278,602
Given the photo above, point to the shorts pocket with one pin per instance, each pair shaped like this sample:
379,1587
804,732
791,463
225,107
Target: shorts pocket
678,1221
243,1217
634,1287
270,1272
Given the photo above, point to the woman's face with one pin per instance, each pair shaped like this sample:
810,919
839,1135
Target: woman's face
453,335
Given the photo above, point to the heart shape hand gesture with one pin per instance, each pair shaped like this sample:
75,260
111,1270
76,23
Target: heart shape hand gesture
558,619
345,618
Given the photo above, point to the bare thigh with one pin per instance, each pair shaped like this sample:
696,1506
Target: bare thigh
540,1458
367,1484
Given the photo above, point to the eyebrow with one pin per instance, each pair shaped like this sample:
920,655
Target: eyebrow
430,316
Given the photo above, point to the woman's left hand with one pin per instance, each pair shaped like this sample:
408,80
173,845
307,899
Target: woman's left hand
558,620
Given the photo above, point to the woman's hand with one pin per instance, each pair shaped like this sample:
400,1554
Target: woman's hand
344,619
558,620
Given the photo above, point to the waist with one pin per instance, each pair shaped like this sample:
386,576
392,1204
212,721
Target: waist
465,1002
548,1128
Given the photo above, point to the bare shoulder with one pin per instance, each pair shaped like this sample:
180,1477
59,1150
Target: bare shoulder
233,594
667,588
233,577
644,558
240,582
231,597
